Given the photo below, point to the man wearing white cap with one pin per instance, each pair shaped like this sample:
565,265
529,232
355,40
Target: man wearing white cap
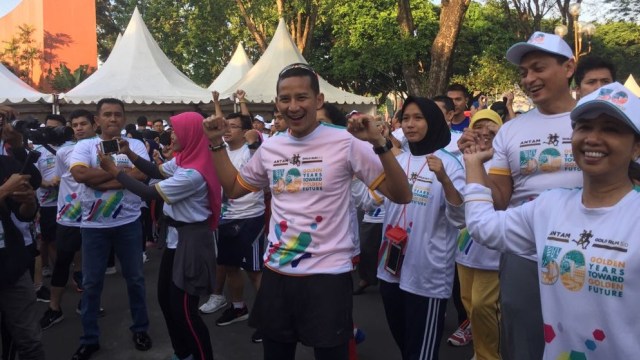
531,155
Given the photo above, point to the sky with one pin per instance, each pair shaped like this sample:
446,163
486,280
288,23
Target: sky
7,5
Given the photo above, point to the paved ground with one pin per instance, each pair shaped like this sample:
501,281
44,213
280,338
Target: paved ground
229,343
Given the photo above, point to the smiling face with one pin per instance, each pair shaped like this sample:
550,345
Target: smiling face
111,120
235,134
604,147
175,143
298,103
487,130
544,79
414,124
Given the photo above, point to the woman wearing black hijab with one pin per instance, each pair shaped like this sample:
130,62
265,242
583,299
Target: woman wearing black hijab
418,248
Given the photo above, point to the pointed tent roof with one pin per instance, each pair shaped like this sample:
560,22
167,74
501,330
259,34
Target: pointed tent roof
137,71
632,85
15,91
260,81
238,66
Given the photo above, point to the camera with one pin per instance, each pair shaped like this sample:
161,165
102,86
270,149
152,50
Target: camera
110,146
30,129
50,135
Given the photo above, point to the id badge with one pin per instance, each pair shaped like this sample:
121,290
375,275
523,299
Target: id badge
397,239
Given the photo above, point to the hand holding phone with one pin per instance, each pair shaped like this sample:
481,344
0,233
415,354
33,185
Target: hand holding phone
110,146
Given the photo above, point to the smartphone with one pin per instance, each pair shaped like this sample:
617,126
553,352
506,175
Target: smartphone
394,258
110,146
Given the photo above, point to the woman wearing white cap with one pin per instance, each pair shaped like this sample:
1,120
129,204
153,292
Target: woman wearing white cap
585,238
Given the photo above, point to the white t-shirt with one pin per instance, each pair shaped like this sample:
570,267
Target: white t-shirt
185,195
399,135
535,150
453,144
474,255
370,201
432,226
248,206
46,164
105,209
309,177
69,207
589,266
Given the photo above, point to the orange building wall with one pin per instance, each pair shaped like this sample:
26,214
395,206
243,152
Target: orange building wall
70,23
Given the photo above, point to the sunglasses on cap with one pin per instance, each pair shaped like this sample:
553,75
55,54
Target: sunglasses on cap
301,66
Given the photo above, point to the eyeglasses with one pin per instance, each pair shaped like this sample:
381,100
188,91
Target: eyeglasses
301,66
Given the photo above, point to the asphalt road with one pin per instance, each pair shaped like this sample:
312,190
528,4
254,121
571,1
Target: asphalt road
229,343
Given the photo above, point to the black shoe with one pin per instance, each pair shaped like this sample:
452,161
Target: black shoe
256,337
142,341
232,315
43,294
85,351
360,289
50,318
79,310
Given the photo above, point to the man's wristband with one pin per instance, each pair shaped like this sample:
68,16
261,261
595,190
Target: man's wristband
383,149
218,147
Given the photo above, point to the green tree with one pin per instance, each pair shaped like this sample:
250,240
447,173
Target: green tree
63,79
619,42
20,53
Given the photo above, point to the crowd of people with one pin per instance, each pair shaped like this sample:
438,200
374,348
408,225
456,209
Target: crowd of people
524,220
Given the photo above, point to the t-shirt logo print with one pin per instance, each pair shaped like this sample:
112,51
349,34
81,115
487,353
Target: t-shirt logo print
585,239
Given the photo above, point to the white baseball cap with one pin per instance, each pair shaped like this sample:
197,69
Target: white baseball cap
612,99
259,118
268,125
539,41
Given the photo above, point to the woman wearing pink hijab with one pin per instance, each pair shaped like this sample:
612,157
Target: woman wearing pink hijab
192,195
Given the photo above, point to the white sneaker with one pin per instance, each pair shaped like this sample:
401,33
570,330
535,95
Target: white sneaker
144,257
215,303
110,270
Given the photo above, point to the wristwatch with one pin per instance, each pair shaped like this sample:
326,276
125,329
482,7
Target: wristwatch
218,147
383,149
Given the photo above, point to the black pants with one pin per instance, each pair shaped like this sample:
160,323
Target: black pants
287,351
415,321
188,333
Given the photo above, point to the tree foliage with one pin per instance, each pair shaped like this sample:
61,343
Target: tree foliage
359,45
20,53
63,79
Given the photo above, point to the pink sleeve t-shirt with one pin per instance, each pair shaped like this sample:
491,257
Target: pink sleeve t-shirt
310,181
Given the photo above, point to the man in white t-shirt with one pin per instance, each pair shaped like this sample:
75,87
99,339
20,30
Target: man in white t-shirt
48,195
306,287
532,154
68,215
110,217
241,228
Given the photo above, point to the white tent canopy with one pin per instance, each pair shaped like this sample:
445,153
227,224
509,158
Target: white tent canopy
260,82
137,71
632,85
15,91
238,66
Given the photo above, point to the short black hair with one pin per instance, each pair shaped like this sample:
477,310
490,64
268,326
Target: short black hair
56,117
112,101
158,120
141,120
245,120
592,62
299,70
448,103
334,114
82,113
459,87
